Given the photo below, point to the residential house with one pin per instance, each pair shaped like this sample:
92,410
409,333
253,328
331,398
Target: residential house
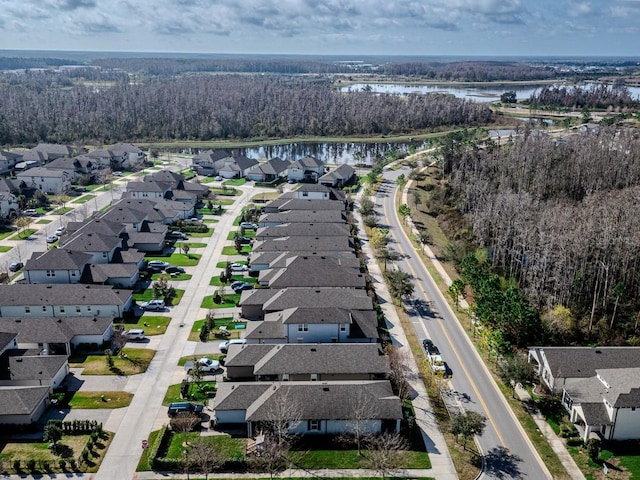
302,216
304,244
303,230
322,407
338,177
99,246
313,191
262,261
292,204
204,162
258,302
269,170
9,207
75,168
58,265
8,161
21,369
148,190
317,324
51,300
22,405
47,152
307,169
177,182
58,335
312,272
126,155
48,181
600,387
301,362
236,166
120,275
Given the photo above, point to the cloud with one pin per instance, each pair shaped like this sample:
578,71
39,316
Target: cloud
75,4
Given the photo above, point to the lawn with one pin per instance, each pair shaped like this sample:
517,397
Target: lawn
229,301
235,182
4,248
152,325
84,199
39,451
248,232
235,446
224,264
6,234
26,233
194,335
231,250
265,197
61,211
349,459
43,221
210,220
191,244
215,281
176,278
206,234
106,399
199,392
137,360
148,295
143,464
178,259
225,192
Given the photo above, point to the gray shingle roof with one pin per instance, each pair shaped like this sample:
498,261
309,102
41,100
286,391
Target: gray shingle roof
21,400
54,329
325,273
92,242
36,367
304,230
575,362
303,244
339,173
59,259
62,294
245,354
303,216
311,204
327,400
324,358
237,396
102,272
6,339
349,298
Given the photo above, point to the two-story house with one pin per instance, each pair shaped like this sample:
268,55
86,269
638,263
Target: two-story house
48,181
307,169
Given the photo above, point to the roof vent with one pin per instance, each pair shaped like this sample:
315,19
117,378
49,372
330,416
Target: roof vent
326,389
314,350
598,351
49,286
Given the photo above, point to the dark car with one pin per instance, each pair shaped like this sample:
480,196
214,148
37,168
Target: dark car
171,269
432,350
184,407
245,240
238,287
15,266
426,343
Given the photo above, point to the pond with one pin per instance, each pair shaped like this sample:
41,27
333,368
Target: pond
488,93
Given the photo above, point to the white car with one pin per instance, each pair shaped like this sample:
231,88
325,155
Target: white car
206,365
60,231
52,238
224,346
239,267
437,364
158,264
249,225
153,305
118,174
134,334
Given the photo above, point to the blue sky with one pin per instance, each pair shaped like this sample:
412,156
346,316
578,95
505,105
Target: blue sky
385,27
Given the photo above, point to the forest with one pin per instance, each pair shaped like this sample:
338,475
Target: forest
559,222
42,107
597,96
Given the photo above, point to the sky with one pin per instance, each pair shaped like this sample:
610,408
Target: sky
336,27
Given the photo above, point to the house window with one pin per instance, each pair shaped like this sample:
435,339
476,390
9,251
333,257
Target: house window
314,377
77,308
303,327
44,308
313,425
285,377
61,308
104,254
51,273
27,309
73,274
305,194
343,327
88,308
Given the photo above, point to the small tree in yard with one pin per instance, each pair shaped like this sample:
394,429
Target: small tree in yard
467,425
367,207
399,370
185,422
271,456
362,410
52,433
400,284
383,453
185,247
237,243
514,370
207,456
22,223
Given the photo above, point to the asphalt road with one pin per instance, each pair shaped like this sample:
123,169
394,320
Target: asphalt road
507,451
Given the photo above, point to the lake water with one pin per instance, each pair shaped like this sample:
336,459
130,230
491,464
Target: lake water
476,93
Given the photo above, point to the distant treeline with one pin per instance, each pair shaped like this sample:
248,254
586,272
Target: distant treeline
472,71
205,107
561,221
597,96
17,63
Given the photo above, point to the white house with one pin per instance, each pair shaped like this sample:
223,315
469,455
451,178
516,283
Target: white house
51,300
58,265
8,205
600,387
48,181
307,169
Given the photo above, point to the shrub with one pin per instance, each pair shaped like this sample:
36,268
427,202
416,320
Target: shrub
593,447
45,466
16,466
63,464
31,465
72,464
574,442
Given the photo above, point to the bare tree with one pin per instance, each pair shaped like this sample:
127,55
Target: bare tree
185,422
208,456
282,415
271,456
362,411
383,453
399,361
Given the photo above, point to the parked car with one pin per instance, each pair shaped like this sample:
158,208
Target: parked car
432,349
426,343
224,346
218,178
177,236
206,365
60,231
239,267
184,407
153,305
171,269
30,212
249,225
158,264
118,174
80,189
246,240
240,286
134,334
52,238
15,266
437,364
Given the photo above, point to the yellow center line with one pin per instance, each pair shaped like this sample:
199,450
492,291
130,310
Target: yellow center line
457,355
